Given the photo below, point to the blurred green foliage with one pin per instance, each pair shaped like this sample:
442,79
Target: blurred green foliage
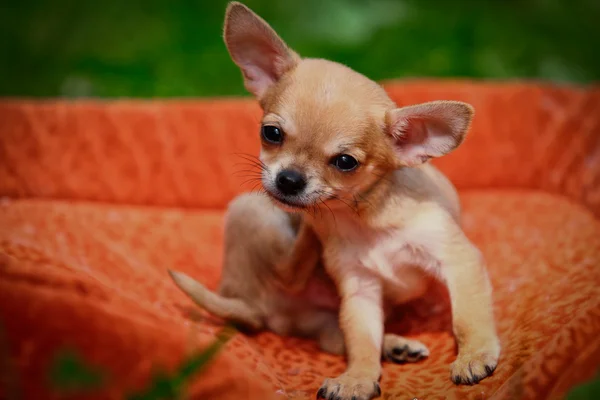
70,374
586,391
164,48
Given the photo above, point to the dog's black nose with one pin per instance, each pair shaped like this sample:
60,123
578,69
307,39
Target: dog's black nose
290,182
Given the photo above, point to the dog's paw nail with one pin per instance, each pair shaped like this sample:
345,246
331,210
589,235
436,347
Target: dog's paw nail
399,350
377,388
321,393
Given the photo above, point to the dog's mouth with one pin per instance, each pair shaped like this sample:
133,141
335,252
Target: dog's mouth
300,202
287,203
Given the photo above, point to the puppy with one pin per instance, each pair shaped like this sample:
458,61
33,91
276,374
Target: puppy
264,247
333,140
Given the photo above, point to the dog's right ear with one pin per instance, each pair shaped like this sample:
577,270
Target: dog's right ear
255,47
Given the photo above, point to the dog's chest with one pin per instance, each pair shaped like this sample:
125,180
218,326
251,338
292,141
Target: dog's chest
383,253
389,253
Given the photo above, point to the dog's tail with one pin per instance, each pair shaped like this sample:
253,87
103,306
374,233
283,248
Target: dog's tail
227,308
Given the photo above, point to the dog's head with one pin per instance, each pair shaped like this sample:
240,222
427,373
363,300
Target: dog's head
328,133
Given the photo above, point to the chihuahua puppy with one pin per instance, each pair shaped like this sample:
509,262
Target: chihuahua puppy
263,248
332,139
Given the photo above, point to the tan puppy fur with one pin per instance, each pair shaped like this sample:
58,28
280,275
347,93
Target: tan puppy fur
262,242
333,140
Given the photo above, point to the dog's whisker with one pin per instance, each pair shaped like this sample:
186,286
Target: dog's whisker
256,181
248,157
248,171
248,175
363,199
332,213
249,165
320,211
328,195
318,205
255,186
248,161
316,208
342,200
380,176
251,162
254,167
251,158
311,211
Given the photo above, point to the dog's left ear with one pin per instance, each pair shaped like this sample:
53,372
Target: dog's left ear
428,130
256,48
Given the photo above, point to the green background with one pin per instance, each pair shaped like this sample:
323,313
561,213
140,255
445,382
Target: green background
162,48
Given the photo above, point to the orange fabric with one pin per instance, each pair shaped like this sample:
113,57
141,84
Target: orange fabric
99,199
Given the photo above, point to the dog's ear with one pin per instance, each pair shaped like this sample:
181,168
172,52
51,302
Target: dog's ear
255,47
428,130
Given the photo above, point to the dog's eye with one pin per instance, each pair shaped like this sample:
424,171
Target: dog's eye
344,162
271,134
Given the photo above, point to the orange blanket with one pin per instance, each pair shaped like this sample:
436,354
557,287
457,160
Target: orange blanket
100,198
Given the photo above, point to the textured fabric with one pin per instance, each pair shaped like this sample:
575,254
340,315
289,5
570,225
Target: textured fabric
101,198
173,153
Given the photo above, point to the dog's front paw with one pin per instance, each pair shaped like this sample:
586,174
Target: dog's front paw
346,387
401,350
471,367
